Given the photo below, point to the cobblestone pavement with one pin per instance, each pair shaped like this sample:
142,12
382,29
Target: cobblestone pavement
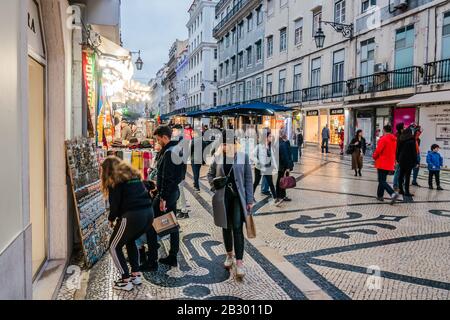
333,241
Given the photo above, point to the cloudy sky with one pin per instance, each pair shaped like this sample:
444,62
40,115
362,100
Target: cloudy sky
152,26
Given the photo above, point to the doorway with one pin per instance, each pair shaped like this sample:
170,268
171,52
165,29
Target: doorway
36,125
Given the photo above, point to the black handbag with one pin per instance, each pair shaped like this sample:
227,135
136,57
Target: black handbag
221,182
350,149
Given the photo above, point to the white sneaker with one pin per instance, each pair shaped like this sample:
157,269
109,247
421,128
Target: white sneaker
240,272
229,261
123,285
136,280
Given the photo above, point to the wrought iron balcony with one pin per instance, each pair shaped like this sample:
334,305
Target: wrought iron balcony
333,90
437,72
389,80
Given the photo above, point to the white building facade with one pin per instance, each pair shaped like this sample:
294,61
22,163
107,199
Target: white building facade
240,35
202,74
398,51
181,100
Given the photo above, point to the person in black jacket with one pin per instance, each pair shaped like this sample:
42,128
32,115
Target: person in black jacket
299,141
131,216
407,159
286,165
170,172
359,150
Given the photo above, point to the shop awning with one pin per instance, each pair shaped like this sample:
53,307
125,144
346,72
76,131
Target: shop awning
107,47
254,108
373,104
426,98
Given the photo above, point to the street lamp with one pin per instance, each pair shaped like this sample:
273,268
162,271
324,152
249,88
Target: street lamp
202,87
345,29
139,63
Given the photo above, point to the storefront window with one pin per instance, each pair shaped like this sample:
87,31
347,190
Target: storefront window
312,126
337,122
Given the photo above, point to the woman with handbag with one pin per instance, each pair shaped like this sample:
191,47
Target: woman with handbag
230,178
130,216
264,165
286,165
359,147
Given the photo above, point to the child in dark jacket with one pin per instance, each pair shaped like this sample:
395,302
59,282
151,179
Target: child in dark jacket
435,163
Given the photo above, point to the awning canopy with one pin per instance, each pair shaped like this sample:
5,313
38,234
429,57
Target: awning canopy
426,98
373,104
253,108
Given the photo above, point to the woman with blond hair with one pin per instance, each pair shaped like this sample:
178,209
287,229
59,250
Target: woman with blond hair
131,216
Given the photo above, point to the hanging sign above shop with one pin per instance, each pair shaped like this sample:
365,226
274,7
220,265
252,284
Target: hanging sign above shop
34,29
336,111
90,83
312,113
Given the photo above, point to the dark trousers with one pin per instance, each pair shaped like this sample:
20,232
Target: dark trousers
267,178
130,227
152,237
435,174
196,172
281,193
325,145
404,179
233,235
382,184
299,152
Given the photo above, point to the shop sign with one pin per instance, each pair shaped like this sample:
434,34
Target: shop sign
435,121
334,112
89,77
34,29
312,113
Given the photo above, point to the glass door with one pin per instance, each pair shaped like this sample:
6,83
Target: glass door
36,104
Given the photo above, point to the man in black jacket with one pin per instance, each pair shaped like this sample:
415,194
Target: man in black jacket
198,146
169,176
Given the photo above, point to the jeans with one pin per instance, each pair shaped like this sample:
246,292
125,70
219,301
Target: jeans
396,175
181,203
404,179
233,235
264,186
430,178
325,145
152,237
267,178
382,184
196,172
281,193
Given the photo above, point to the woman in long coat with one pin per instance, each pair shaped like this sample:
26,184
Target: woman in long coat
233,202
359,150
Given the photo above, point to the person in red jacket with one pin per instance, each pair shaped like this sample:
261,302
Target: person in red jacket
384,157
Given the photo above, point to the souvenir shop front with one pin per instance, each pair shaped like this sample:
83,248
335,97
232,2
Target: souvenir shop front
316,119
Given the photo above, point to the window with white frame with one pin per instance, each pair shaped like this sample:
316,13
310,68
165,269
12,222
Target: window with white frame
269,85
367,57
233,64
282,81
317,17
227,69
241,30
249,22
227,41
233,94
339,11
258,88
258,46
298,37
297,77
446,36
241,92
249,56
241,60
269,46
283,39
259,15
367,4
248,90
315,72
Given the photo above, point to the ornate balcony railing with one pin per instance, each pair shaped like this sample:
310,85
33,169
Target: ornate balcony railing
437,72
239,5
389,80
333,90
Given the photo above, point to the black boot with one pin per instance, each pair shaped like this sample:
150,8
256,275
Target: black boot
356,173
359,172
170,260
